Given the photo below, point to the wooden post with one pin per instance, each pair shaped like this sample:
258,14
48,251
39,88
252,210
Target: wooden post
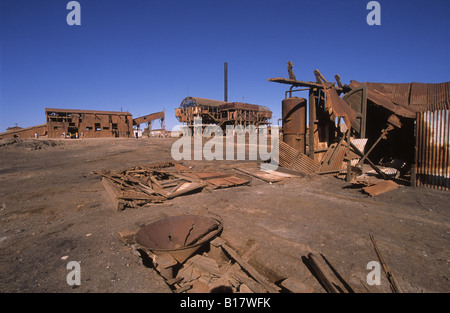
312,120
416,149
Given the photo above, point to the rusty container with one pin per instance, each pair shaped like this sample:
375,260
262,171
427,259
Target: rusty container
294,122
179,236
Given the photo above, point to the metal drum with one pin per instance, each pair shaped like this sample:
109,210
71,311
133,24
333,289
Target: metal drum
294,122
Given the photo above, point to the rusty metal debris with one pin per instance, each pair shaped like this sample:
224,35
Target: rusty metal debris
159,182
293,159
335,104
174,246
382,116
178,236
382,187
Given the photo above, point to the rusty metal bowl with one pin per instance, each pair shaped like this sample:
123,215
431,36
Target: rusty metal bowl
180,236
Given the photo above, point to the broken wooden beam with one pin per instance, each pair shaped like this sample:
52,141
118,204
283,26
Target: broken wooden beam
380,172
390,276
234,269
322,274
114,194
249,269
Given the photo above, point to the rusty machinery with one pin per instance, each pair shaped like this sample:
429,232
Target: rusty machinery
294,122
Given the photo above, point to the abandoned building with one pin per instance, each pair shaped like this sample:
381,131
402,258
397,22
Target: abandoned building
74,123
88,124
403,126
26,132
222,113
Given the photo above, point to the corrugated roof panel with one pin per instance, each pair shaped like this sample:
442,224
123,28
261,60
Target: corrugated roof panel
419,97
398,93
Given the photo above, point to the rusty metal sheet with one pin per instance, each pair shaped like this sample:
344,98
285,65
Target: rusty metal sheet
357,99
432,151
291,158
148,118
381,99
397,93
339,106
380,188
416,97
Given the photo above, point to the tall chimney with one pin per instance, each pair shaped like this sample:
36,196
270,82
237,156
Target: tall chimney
225,82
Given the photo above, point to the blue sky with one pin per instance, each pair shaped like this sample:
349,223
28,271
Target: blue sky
146,56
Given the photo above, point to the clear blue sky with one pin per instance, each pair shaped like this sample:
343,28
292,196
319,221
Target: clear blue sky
146,56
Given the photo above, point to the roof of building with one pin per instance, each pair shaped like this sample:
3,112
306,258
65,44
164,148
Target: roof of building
76,111
415,97
23,129
193,101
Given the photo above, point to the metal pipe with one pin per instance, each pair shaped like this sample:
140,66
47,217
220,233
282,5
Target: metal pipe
291,91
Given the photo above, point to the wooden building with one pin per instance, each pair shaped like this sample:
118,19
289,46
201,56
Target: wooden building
28,132
222,113
64,123
88,123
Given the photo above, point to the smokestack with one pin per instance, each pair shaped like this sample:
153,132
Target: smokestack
225,96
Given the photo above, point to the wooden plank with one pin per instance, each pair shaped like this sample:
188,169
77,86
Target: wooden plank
327,275
249,269
322,274
236,180
204,264
206,175
192,187
390,276
356,149
296,286
313,94
114,193
249,282
228,181
263,176
233,270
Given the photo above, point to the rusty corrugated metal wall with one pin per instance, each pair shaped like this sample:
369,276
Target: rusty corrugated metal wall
432,153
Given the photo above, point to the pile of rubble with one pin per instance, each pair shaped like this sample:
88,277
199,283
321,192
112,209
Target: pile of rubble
158,182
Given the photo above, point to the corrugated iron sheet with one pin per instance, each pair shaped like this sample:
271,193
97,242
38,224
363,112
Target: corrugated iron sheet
291,158
419,97
381,99
398,93
433,145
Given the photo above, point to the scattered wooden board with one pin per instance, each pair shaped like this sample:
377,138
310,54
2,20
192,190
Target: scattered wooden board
267,176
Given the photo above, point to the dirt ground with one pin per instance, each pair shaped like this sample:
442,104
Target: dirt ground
53,210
